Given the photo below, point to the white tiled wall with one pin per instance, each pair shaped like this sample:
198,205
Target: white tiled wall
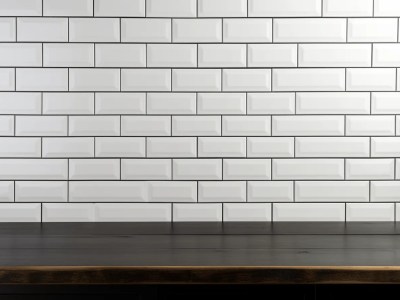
199,110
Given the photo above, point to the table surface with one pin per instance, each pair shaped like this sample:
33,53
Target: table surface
154,253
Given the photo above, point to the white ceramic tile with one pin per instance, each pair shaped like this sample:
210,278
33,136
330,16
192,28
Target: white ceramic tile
270,191
364,169
196,30
332,191
197,169
222,147
385,191
21,55
120,55
171,103
371,79
120,146
307,125
68,147
45,79
68,8
249,212
7,125
222,191
385,146
133,212
373,30
42,30
20,103
199,212
386,8
21,8
247,169
271,103
120,103
385,103
94,169
171,8
7,79
172,55
67,103
311,212
370,125
20,147
348,8
246,125
248,80
145,80
117,8
94,126
7,191
71,212
222,8
146,169
284,8
145,125
221,103
270,147
222,55
196,125
41,191
171,147
41,125
8,29
146,30
20,212
272,56
33,169
94,30
173,191
94,80
370,212
249,30
196,80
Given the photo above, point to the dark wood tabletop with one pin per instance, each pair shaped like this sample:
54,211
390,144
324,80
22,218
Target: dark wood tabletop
161,253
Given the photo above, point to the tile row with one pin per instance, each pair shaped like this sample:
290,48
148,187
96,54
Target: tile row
167,128
199,212
199,80
203,191
232,103
211,30
252,147
201,8
203,56
200,169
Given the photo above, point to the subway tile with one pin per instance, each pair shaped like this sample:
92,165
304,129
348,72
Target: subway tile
171,147
247,212
20,147
246,125
41,191
107,191
7,125
68,8
385,191
68,147
8,29
146,30
333,103
369,169
94,30
221,103
272,55
6,191
370,125
67,103
20,212
33,169
145,125
44,79
308,169
348,8
372,30
308,80
197,30
41,125
172,191
120,103
222,147
94,169
385,146
371,79
305,30
332,191
171,8
247,169
222,8
332,147
21,55
7,79
20,103
197,212
94,80
196,125
146,169
222,191
172,55
68,212
370,212
249,30
335,55
94,125
386,55
171,103
308,125
151,80
284,8
385,103
309,212
68,55
119,8
196,80
21,8
271,103
248,80
120,55
386,8
270,147
197,169
222,55
133,212
42,30
270,191
120,147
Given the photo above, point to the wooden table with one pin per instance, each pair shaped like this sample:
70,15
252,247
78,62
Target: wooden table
154,254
